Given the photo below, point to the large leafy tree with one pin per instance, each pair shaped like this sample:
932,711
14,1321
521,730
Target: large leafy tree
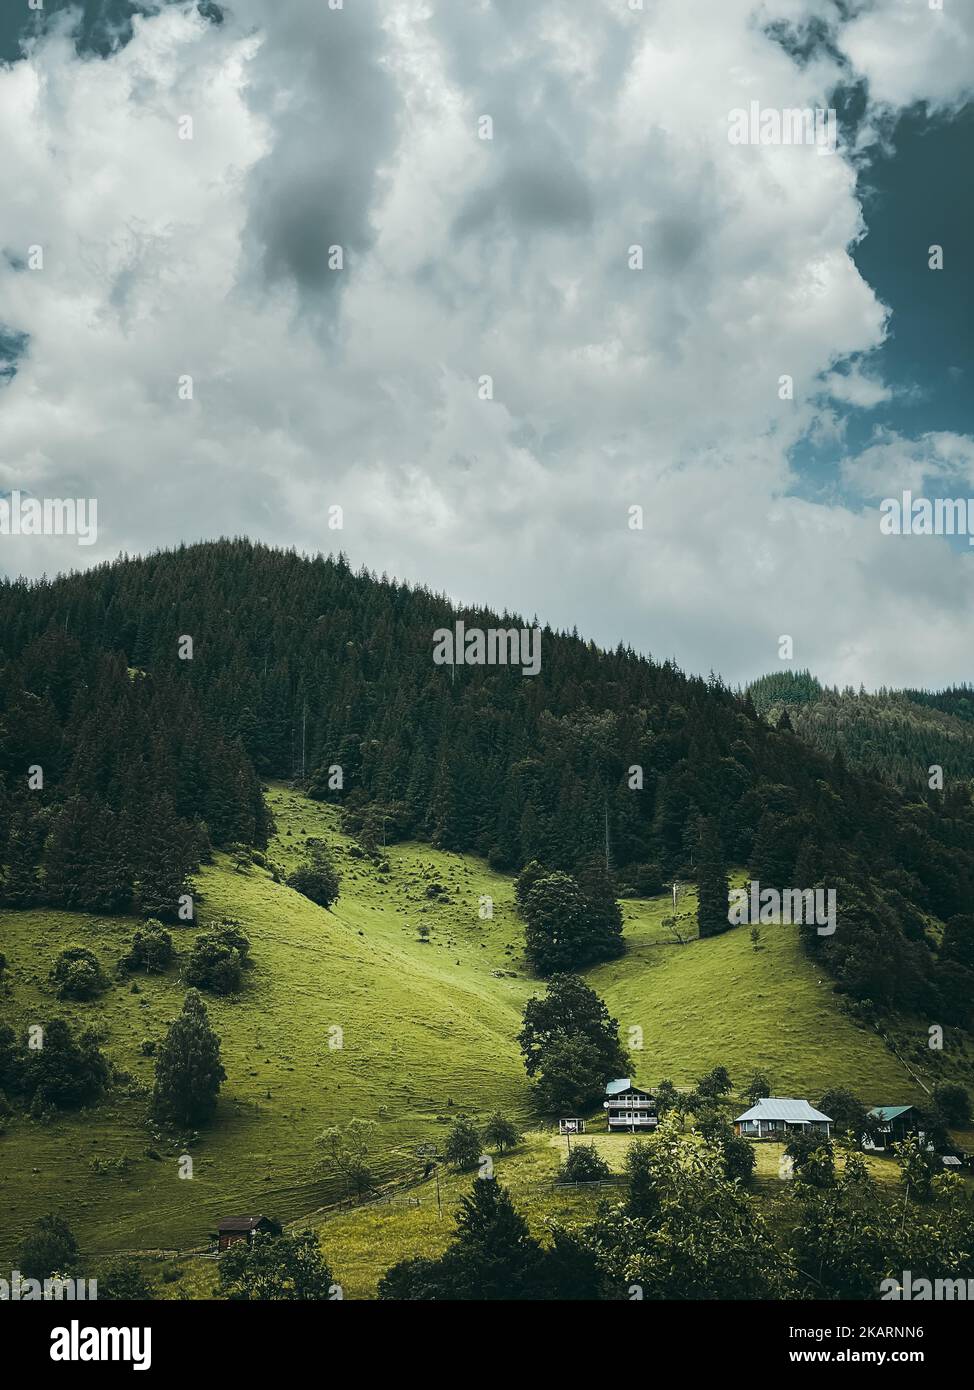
687,1230
570,1043
66,1072
277,1268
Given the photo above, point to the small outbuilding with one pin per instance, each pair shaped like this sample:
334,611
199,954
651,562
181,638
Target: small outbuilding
233,1229
895,1123
776,1117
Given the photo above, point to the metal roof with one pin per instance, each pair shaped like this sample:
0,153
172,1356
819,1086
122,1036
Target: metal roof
241,1223
623,1083
781,1108
889,1112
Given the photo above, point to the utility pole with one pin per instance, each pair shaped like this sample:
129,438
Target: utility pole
304,731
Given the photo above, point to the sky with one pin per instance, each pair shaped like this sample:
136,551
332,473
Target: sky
486,385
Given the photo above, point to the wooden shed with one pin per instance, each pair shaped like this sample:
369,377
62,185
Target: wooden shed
236,1228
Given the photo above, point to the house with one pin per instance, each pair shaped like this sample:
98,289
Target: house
571,1126
233,1229
628,1108
895,1123
778,1116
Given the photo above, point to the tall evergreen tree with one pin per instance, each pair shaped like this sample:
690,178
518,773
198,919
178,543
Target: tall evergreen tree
712,885
189,1072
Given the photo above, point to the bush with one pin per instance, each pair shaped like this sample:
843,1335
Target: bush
77,974
316,876
218,959
122,1281
284,1267
151,950
49,1248
813,1157
463,1145
739,1157
584,1164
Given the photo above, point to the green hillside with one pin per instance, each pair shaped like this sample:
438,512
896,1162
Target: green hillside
897,735
428,1028
722,1001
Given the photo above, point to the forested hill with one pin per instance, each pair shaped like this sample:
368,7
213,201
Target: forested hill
148,754
898,735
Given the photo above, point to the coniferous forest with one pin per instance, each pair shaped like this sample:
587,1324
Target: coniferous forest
299,666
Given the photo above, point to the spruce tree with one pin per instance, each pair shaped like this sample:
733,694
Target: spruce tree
712,886
188,1068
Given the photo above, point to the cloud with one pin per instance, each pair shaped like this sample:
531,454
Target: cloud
939,459
909,51
466,259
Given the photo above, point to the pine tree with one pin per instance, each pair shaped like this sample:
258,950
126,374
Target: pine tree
21,887
166,857
712,885
188,1069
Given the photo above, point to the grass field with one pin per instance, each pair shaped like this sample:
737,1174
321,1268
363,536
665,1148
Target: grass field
428,1029
361,1243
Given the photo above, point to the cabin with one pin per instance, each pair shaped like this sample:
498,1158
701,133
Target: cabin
233,1229
777,1117
895,1123
628,1108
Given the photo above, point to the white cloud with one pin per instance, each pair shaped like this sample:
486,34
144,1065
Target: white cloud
612,387
909,51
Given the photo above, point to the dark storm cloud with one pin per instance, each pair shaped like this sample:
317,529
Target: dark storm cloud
319,82
543,194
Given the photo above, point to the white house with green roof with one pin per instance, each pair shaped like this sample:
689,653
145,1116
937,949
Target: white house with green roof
629,1109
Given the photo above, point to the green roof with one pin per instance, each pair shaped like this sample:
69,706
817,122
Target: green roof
889,1112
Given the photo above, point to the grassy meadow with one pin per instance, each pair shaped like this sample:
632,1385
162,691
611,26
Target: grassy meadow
427,1030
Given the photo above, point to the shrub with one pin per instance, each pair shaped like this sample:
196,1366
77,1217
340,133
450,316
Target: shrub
65,1073
77,974
122,1280
151,950
49,1248
584,1164
316,876
218,959
463,1144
